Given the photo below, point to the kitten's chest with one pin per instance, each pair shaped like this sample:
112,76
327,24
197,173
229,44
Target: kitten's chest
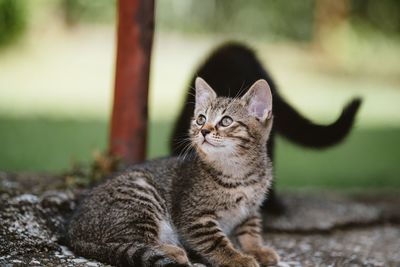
239,205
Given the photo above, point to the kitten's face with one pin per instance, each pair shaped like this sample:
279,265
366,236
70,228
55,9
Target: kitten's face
225,127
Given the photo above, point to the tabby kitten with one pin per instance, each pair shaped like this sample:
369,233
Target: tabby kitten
151,213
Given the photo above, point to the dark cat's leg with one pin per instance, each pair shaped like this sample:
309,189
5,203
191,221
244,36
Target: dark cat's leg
272,203
248,235
204,235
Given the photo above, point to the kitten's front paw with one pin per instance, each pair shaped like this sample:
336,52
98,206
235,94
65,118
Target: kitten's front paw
243,261
265,256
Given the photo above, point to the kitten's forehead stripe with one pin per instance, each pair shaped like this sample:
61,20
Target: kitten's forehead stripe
218,107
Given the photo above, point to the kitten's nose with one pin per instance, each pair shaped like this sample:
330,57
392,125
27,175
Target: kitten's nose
204,132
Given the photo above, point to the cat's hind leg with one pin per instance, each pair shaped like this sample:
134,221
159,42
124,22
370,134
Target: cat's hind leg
149,225
125,223
135,254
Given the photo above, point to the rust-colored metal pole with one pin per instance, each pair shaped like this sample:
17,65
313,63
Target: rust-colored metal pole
129,114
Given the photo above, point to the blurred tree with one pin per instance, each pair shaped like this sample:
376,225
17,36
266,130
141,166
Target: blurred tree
99,11
258,18
12,20
383,15
305,20
329,15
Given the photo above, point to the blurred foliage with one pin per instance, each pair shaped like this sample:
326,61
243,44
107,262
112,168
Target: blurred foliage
294,20
12,20
273,19
383,15
258,18
99,11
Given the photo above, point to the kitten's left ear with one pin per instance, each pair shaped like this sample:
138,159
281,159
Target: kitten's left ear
204,93
259,100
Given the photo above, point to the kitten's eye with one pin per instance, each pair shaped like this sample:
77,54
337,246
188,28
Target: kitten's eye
201,119
226,121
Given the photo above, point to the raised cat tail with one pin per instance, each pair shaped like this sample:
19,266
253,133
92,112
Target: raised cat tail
300,130
128,254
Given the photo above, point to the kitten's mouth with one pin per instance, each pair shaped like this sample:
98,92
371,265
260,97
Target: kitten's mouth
211,143
206,142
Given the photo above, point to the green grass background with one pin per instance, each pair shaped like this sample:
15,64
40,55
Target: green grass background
369,158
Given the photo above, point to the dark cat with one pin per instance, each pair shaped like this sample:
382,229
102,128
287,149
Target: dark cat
230,70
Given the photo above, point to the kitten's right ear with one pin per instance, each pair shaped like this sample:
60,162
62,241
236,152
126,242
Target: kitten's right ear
204,93
259,100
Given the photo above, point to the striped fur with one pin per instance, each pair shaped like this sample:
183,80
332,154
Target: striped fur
152,213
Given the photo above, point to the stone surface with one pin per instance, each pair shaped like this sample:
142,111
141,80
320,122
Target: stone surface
366,246
316,229
318,212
